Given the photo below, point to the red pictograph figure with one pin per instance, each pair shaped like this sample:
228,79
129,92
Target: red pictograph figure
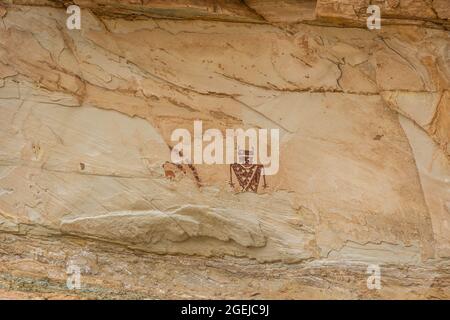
247,173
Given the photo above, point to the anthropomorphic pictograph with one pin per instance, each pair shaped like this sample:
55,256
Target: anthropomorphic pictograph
247,173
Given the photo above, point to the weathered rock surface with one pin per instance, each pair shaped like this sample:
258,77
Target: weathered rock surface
85,125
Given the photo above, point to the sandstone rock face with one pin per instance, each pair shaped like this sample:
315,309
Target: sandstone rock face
86,123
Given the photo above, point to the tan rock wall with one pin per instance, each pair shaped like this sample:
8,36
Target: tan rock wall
86,119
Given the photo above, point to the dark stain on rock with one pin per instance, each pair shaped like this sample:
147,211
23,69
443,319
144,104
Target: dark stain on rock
378,137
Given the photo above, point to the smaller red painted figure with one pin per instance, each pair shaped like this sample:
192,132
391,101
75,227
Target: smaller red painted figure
247,173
